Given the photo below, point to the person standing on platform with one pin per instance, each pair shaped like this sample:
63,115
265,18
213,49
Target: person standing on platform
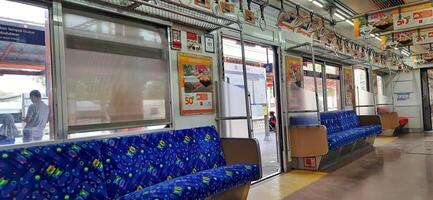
36,118
8,130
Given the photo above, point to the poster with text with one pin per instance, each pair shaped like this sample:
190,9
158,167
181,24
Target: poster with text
294,69
349,89
413,16
195,84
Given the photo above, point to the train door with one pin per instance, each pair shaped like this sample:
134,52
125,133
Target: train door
260,116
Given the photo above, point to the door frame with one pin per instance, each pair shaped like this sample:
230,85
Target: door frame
426,107
280,139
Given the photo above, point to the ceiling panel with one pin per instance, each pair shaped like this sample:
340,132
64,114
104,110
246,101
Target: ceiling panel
362,6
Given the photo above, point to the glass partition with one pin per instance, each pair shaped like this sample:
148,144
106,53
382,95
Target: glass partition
301,99
364,102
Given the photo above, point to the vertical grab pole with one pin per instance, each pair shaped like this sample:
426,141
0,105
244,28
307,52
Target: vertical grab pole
373,90
244,74
313,59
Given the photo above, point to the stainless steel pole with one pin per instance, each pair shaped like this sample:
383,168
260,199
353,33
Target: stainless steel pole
245,77
313,59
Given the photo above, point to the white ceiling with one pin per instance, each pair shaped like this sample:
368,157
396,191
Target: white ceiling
362,6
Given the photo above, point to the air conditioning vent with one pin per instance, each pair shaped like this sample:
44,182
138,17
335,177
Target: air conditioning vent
382,4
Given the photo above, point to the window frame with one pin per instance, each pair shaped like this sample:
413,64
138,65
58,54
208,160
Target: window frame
324,76
50,77
116,18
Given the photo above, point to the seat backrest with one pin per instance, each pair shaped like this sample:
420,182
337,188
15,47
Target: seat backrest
330,121
348,119
303,120
135,162
56,171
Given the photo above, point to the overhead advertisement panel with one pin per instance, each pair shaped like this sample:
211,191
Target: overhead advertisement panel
404,19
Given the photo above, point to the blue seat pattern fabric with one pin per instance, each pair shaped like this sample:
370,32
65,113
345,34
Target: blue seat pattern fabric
339,139
372,130
58,171
348,119
330,120
199,185
136,162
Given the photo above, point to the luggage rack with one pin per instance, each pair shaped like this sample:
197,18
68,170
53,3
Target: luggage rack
167,10
330,54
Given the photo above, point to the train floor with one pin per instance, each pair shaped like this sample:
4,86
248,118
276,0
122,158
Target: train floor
398,168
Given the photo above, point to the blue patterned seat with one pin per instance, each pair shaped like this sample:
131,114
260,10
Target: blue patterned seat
59,171
112,168
199,185
343,128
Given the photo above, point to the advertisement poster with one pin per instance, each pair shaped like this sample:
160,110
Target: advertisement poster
348,86
249,16
378,22
424,36
294,69
176,39
195,84
413,16
399,39
227,8
203,3
193,41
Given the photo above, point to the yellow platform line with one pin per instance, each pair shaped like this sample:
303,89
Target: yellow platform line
383,140
284,185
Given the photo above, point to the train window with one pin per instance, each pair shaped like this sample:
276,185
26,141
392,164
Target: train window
361,79
24,69
116,73
380,85
309,74
333,88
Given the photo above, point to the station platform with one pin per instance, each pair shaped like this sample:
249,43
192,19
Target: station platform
398,168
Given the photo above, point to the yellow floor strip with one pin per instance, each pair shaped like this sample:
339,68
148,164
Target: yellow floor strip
283,185
381,141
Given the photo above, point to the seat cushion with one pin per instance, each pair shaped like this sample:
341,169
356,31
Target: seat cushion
347,119
342,138
372,130
199,185
330,121
136,162
403,121
59,171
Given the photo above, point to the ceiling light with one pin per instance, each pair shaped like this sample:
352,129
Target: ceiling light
349,22
405,53
339,16
378,38
318,4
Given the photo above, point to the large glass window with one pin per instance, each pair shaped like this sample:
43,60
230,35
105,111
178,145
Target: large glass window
117,73
24,67
361,79
333,98
309,74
